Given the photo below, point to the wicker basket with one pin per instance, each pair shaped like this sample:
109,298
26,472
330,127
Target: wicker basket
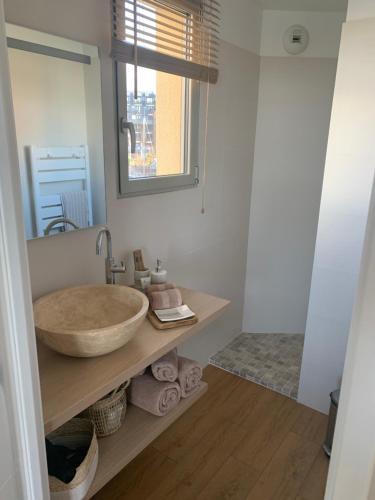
73,434
108,413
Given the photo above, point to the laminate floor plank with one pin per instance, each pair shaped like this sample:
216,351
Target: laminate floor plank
311,424
263,440
193,426
240,441
314,485
264,407
139,479
232,481
198,462
284,475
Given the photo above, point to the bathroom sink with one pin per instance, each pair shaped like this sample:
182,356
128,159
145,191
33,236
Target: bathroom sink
89,320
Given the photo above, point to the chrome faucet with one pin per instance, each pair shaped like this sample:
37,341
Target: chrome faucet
111,268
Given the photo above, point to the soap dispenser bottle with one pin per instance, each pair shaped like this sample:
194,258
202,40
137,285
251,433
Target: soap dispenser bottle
158,276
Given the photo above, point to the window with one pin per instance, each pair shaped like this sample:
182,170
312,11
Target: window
162,49
158,131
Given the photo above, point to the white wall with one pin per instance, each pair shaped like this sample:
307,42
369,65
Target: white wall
360,9
324,30
348,179
295,96
292,129
242,23
206,252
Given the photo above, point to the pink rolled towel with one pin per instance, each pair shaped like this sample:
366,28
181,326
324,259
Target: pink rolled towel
165,369
158,398
189,376
165,299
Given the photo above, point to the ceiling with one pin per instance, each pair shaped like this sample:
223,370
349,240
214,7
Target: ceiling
309,5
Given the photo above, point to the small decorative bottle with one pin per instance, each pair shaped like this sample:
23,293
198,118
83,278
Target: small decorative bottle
159,275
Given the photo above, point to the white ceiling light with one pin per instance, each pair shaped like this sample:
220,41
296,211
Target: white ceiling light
296,39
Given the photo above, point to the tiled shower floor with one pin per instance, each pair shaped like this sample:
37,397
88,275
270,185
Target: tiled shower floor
271,360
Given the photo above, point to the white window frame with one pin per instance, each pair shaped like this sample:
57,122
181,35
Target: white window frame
158,184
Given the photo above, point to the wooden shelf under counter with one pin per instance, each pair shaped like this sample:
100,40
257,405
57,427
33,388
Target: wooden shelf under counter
70,385
138,431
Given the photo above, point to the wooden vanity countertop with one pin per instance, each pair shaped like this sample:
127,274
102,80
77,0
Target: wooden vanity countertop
69,385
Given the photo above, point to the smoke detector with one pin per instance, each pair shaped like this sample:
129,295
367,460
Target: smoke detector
296,39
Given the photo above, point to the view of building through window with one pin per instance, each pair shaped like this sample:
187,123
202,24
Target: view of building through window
142,113
158,116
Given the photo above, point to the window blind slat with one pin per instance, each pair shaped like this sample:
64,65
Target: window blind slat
172,46
172,38
151,5
171,22
174,53
180,27
175,49
124,52
177,36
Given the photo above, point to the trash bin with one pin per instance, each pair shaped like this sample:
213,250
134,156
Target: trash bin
335,396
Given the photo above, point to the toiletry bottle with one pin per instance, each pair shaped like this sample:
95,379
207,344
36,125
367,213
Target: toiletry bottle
159,275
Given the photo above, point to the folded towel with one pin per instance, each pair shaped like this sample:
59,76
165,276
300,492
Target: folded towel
165,299
165,369
158,398
189,376
160,288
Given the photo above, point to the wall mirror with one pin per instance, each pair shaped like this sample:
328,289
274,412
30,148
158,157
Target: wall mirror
56,90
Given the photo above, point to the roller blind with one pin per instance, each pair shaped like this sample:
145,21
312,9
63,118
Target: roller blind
175,36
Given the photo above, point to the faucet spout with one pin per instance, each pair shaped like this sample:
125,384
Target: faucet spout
111,268
99,242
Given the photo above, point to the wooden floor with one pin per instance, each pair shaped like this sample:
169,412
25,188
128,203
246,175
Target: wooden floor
240,441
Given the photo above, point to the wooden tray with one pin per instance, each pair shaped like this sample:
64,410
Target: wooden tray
167,325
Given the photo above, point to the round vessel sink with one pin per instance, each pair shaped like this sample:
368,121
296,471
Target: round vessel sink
89,320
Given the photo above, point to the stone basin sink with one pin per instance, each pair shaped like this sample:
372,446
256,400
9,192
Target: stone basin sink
89,320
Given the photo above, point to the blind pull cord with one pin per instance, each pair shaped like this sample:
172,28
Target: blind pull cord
203,206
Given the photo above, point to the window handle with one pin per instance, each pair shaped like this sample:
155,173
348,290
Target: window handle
125,125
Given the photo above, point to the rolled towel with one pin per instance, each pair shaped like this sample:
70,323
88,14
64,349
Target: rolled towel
158,398
165,369
189,376
160,288
165,299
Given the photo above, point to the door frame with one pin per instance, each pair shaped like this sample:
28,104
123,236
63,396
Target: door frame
18,357
352,468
